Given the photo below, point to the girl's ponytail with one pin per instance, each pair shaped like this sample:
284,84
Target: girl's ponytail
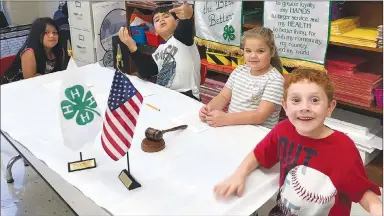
276,63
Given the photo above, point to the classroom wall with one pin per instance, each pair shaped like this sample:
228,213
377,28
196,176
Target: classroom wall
24,12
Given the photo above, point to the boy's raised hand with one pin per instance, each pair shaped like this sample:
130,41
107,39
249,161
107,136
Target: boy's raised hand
127,40
185,11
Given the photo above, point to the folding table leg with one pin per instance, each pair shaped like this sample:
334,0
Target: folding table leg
8,173
25,162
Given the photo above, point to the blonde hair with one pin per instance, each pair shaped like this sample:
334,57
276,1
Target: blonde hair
267,35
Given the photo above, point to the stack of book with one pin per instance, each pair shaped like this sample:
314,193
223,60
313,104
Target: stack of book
340,63
379,41
352,85
362,36
343,25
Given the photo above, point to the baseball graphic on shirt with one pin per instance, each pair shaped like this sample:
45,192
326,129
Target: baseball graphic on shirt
307,191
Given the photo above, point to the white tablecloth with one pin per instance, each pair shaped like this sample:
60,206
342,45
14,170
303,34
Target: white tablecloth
176,181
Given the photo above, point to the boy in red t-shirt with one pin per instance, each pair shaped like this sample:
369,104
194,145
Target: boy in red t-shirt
321,172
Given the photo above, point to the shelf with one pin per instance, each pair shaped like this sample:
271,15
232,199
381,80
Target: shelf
140,5
228,70
251,24
370,109
254,24
223,69
357,47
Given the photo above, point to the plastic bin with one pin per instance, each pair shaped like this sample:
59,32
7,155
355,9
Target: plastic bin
153,39
138,34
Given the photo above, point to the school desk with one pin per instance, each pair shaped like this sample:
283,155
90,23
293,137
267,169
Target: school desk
178,180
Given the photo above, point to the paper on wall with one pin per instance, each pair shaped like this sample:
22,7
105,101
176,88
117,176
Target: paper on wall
108,18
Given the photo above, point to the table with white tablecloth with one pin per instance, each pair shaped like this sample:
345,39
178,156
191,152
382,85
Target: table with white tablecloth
178,180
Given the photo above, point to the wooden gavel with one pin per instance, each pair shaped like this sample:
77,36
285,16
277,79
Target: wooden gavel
157,135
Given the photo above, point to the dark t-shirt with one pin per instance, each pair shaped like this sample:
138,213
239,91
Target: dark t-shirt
14,73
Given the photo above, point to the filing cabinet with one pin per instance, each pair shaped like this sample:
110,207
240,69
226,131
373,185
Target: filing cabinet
86,24
82,33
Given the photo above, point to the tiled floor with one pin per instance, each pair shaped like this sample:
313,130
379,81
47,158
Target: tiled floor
30,195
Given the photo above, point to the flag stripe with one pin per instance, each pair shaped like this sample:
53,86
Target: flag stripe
135,105
109,150
120,122
110,147
126,122
116,130
111,137
130,113
139,97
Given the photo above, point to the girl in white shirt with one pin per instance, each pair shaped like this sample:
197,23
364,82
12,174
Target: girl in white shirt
254,91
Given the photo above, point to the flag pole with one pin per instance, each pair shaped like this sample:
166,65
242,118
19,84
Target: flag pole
119,59
125,175
69,49
128,162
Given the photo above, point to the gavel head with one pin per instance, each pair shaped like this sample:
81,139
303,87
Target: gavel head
153,134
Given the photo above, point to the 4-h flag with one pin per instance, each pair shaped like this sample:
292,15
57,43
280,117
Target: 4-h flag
219,24
80,117
124,103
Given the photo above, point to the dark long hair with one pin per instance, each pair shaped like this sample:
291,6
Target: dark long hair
35,41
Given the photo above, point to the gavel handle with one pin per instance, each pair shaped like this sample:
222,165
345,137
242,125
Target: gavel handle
175,128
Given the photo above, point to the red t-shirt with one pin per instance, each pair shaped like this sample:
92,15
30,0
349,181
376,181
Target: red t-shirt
317,176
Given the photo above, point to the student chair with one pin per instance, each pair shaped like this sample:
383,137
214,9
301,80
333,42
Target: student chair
5,62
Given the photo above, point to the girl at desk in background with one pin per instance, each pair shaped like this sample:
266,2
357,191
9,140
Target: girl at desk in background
177,62
254,90
40,54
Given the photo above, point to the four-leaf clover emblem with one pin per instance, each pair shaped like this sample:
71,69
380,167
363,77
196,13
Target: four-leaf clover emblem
79,105
229,33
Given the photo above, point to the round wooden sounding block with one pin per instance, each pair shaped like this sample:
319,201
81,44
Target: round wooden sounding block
148,145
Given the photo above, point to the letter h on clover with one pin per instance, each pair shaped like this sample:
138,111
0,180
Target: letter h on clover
79,106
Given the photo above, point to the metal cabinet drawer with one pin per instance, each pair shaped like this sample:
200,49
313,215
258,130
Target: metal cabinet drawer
80,15
82,45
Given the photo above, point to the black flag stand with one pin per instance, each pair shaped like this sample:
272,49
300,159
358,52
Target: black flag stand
81,164
127,179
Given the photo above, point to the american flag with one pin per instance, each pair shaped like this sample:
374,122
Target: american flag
119,124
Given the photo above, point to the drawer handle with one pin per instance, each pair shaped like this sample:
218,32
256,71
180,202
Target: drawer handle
80,47
78,14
